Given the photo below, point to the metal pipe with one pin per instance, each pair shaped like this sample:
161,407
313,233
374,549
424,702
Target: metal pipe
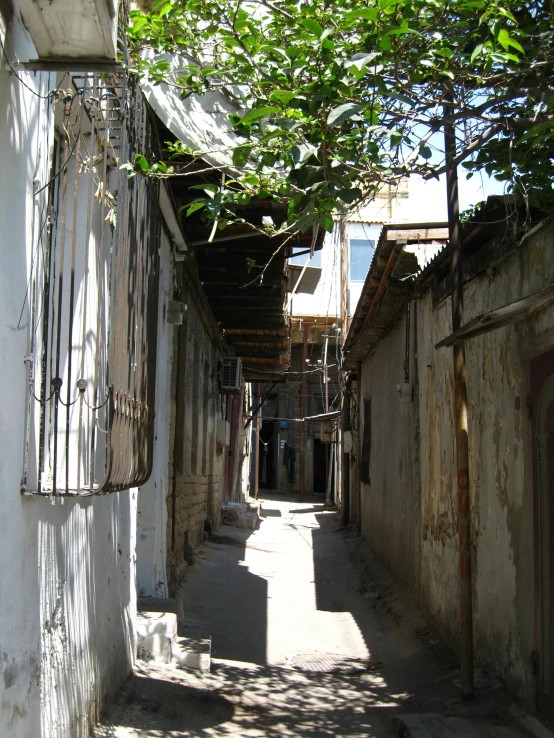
303,413
346,426
257,456
326,383
460,393
407,346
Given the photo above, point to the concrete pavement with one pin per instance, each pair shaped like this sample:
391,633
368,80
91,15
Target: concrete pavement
305,642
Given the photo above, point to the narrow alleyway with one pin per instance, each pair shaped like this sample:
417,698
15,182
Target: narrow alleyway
305,642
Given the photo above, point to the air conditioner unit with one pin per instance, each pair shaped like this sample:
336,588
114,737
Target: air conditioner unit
231,374
76,29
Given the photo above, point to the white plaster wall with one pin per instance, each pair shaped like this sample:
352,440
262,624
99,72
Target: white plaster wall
67,589
152,497
390,503
325,300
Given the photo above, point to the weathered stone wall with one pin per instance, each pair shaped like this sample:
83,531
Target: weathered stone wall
196,464
410,514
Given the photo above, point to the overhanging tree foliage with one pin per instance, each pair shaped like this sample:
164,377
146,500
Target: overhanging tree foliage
338,98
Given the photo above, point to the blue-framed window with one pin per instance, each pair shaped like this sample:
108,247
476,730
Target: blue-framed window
361,254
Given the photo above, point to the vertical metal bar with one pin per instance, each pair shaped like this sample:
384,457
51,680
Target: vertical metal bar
70,387
303,412
53,196
257,454
91,155
100,297
460,393
59,315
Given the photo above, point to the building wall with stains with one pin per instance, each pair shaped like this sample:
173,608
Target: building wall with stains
389,504
409,512
500,461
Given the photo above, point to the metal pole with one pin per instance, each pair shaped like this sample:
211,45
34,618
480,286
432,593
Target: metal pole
327,459
345,479
460,393
257,456
303,412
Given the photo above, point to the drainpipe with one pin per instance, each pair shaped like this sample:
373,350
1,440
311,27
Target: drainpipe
257,456
460,393
358,496
303,412
346,426
327,455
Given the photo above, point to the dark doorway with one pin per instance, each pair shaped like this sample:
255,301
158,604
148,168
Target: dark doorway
267,450
542,402
319,465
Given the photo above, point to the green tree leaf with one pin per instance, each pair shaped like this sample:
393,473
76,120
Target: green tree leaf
343,112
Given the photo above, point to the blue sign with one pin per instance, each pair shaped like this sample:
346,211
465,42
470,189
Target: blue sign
284,424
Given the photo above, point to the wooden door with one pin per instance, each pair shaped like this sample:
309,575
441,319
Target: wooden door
542,402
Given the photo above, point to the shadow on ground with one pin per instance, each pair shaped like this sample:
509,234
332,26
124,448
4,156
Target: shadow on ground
249,700
158,707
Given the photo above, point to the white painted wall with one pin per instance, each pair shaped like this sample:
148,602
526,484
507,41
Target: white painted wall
152,497
325,300
67,584
425,203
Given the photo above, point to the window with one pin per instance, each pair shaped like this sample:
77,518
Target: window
94,306
365,460
315,261
361,253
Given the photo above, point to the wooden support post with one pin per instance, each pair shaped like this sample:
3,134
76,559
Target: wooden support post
460,394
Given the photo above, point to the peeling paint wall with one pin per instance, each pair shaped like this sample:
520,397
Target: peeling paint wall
152,497
67,584
500,462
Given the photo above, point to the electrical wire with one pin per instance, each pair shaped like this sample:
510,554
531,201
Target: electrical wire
34,92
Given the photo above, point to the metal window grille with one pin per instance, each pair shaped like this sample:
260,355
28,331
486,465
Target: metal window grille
365,461
94,300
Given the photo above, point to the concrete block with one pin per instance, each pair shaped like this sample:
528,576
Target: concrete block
156,632
159,604
249,520
231,512
193,652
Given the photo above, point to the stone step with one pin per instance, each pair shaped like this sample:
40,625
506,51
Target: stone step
158,604
241,515
156,633
193,650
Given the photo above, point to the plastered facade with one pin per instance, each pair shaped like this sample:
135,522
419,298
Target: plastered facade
67,585
409,512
